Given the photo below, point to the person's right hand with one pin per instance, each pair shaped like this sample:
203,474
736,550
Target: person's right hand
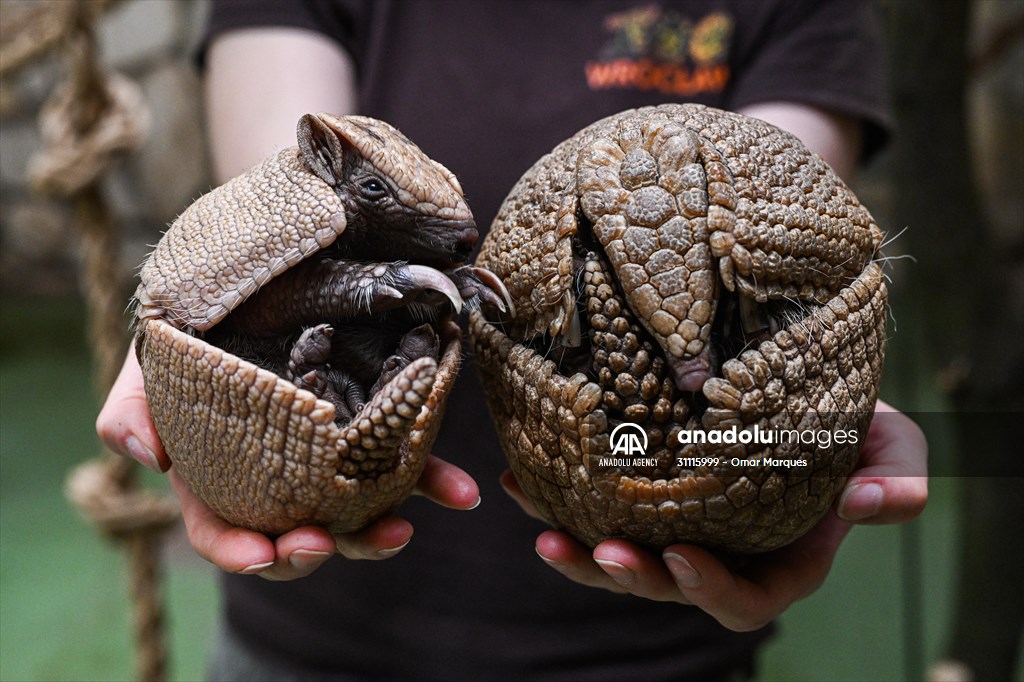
126,426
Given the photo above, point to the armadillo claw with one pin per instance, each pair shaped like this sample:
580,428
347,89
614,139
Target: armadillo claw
480,285
420,279
386,286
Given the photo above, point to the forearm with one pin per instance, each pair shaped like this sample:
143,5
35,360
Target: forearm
260,81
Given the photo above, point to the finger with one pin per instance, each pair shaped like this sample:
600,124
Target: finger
228,547
745,600
892,485
124,423
296,554
638,571
382,539
511,485
573,560
447,485
299,553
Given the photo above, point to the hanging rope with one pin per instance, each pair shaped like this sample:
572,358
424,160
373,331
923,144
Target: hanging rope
91,120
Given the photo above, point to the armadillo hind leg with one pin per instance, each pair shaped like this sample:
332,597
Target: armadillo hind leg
309,368
307,362
418,343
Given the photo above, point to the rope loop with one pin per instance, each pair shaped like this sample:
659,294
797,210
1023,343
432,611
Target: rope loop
71,159
117,511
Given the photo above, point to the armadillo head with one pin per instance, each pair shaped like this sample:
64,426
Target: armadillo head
400,203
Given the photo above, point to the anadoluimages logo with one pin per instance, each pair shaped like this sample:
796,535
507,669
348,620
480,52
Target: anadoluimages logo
628,440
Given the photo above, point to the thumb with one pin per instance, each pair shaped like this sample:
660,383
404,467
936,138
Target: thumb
124,423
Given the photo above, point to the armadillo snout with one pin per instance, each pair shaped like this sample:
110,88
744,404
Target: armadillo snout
456,238
466,236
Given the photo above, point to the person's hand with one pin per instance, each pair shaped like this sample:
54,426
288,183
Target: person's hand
749,592
125,425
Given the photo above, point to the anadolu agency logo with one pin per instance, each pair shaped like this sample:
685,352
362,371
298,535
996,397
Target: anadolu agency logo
628,440
628,443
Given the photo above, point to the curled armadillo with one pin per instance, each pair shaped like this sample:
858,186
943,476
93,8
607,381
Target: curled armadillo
294,327
701,275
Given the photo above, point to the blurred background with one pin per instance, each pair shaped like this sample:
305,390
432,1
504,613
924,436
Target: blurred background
900,603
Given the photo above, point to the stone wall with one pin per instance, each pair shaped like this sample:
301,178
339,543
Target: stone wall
153,43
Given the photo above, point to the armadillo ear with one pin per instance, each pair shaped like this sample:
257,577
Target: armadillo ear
321,149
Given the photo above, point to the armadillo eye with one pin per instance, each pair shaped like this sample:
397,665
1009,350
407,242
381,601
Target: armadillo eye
373,188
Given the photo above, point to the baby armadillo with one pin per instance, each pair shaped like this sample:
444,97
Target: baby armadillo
294,327
697,338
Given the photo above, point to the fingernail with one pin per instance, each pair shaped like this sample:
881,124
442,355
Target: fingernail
256,568
475,504
307,558
860,501
388,553
685,574
141,453
549,562
617,571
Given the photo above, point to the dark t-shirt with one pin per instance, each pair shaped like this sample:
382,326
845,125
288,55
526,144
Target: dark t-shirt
487,88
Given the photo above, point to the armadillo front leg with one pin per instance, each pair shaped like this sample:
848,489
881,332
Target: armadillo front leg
481,286
339,290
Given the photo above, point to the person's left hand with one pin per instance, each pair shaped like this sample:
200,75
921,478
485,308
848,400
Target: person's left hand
749,592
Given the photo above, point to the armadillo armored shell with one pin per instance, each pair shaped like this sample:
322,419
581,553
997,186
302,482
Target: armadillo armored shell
261,452
703,276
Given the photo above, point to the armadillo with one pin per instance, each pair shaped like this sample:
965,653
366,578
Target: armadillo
295,332
700,282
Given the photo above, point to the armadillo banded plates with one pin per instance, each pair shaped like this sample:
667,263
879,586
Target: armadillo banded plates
688,273
267,455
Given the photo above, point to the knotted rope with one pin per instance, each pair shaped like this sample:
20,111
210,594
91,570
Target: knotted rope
74,157
91,120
